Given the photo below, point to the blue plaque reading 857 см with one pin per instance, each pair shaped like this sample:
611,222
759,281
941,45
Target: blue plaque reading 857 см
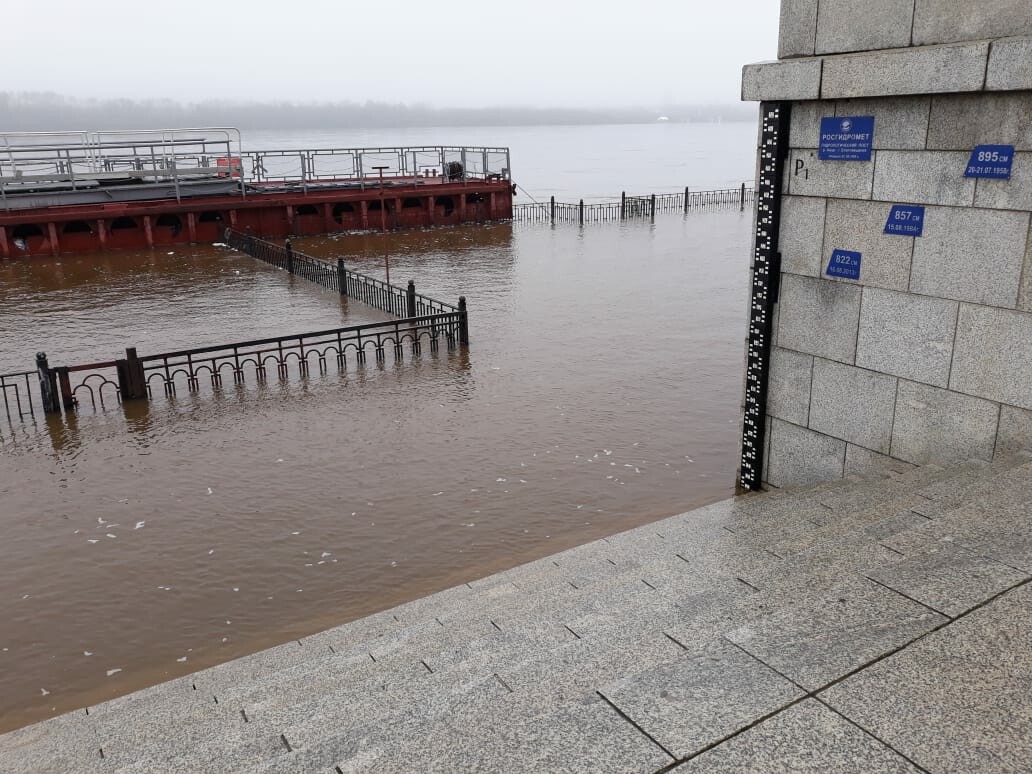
906,220
844,264
846,138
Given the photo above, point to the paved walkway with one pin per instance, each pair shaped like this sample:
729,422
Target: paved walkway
864,626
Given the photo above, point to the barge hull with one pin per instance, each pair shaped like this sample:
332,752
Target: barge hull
273,213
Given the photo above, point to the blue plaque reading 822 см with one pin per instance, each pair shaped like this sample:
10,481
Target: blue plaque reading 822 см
844,264
846,138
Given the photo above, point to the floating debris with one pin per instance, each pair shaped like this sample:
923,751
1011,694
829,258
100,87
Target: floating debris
114,671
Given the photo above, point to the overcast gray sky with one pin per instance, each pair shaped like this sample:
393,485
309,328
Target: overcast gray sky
461,53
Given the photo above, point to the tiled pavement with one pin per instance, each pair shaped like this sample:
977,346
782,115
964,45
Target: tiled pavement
868,625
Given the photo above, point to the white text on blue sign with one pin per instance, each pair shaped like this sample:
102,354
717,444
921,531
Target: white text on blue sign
991,161
844,264
906,220
846,138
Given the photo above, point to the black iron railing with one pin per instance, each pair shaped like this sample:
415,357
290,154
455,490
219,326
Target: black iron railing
19,392
401,302
627,207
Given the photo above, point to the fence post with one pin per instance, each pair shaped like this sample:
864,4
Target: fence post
463,321
582,212
342,277
552,208
47,385
410,297
67,397
132,383
652,208
686,200
290,256
623,204
741,198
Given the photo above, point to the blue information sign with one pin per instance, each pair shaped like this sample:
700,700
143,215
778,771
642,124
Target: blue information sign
906,220
846,138
844,264
992,161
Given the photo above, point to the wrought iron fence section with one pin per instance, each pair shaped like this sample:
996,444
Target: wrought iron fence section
631,206
19,392
279,356
398,301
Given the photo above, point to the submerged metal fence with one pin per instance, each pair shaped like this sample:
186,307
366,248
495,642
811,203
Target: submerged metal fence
627,207
423,322
402,302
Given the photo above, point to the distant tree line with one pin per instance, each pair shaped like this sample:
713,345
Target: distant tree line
37,111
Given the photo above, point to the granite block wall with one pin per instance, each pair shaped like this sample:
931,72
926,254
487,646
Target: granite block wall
927,357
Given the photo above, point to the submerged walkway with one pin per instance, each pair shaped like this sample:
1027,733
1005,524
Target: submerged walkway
868,625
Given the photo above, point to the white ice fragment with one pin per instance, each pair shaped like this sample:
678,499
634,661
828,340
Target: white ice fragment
44,692
139,525
124,500
100,520
324,554
579,507
471,524
209,490
607,452
280,460
26,596
111,535
181,659
394,564
76,532
300,590
236,588
437,494
171,253
500,480
87,653
295,533
114,671
212,551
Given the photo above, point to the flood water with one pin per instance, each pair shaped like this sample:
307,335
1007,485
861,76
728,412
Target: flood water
600,391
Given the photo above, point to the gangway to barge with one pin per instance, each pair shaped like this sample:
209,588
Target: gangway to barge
76,191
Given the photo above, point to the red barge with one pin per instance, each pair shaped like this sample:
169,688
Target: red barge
65,192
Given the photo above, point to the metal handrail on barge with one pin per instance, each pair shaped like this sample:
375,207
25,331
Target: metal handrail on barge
31,162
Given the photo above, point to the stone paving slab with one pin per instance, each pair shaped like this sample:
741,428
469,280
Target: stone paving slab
806,738
948,579
700,697
957,700
820,637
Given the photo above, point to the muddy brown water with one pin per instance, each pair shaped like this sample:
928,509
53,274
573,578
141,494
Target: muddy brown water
600,391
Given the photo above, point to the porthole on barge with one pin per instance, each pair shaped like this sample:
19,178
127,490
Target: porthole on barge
63,192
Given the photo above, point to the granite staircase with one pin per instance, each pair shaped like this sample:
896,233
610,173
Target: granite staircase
870,624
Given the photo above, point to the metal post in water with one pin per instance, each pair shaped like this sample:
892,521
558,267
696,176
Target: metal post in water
132,383
686,200
290,256
552,205
67,397
410,298
342,277
463,321
582,212
652,207
742,199
623,204
47,385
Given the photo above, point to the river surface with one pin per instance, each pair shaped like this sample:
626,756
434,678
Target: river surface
600,391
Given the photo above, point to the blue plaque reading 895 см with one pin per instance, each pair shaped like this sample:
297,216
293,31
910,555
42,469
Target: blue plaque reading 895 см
905,220
844,264
846,138
991,161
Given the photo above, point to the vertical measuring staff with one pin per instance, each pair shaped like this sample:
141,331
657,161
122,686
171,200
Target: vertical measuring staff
766,275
